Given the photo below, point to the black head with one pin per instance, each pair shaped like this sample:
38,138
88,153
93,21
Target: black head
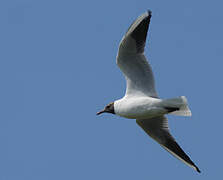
108,109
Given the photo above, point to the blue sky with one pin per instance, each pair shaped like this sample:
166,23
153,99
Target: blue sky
57,69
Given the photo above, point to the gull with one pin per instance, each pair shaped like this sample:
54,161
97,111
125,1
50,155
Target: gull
141,101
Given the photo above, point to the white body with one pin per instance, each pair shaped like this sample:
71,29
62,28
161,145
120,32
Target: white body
142,107
138,107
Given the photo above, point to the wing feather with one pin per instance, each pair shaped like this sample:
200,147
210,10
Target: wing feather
157,128
131,59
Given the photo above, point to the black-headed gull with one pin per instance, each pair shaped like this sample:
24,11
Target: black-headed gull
141,101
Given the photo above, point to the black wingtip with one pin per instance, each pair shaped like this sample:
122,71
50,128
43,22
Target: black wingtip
197,169
149,13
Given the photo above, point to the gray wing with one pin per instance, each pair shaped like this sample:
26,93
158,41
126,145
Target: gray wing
131,59
157,128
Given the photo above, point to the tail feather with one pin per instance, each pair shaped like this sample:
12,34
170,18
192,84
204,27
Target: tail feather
181,103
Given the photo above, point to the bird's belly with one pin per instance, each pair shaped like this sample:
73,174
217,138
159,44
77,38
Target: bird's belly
139,109
143,113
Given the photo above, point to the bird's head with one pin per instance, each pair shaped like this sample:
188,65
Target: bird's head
108,109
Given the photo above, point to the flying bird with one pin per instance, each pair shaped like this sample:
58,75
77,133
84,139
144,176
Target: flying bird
141,101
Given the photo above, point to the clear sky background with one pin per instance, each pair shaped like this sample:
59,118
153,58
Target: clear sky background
57,69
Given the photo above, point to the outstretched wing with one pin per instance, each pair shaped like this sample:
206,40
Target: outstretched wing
157,128
131,59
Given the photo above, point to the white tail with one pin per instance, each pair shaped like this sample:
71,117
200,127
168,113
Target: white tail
181,103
